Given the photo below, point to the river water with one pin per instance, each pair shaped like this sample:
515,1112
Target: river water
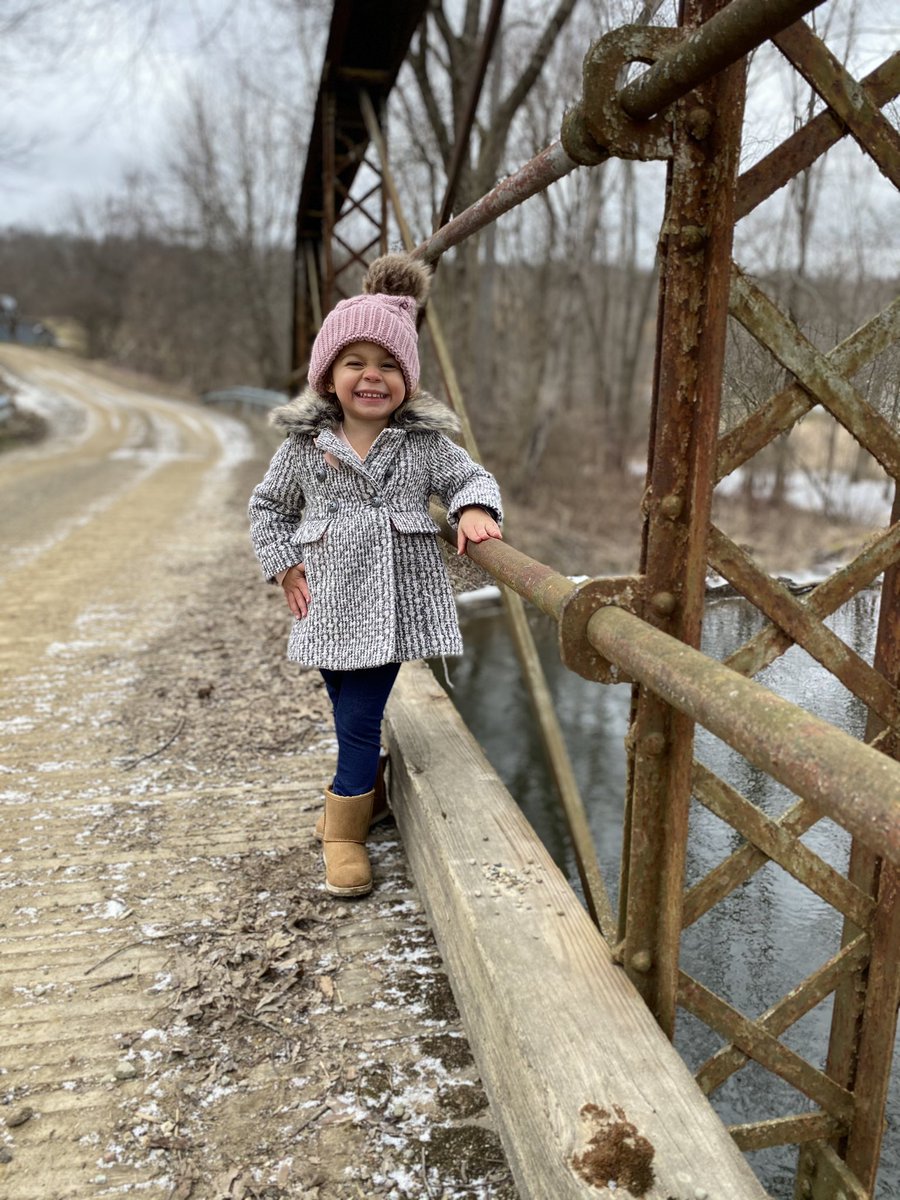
766,937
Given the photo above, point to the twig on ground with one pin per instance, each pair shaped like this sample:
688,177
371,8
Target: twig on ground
265,1024
119,950
320,1112
159,749
112,979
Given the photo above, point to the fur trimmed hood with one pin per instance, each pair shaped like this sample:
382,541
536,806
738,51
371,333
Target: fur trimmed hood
311,414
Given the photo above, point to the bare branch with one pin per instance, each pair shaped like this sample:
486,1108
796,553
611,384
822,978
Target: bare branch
526,81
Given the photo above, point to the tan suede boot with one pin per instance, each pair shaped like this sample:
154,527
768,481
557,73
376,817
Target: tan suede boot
347,868
380,810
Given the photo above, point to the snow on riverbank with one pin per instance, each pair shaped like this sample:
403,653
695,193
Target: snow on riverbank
867,501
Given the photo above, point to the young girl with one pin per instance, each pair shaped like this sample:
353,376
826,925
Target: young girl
341,521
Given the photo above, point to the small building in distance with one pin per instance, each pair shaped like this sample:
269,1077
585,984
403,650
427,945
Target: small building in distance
26,331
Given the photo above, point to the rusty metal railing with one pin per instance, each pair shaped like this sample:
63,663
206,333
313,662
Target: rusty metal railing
646,627
856,786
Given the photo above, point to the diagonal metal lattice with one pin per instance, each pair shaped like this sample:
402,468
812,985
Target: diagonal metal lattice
863,962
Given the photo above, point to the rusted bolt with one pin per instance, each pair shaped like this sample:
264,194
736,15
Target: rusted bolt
670,506
663,603
698,123
641,961
693,238
653,744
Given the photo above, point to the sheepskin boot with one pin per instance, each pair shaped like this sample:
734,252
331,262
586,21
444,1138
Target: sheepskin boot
380,810
347,868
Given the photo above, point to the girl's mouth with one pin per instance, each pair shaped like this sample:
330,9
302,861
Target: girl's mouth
371,395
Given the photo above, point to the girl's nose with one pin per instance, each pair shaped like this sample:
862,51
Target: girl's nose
372,373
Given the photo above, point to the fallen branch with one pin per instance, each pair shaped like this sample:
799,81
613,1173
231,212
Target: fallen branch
265,1024
159,749
119,950
112,979
312,1117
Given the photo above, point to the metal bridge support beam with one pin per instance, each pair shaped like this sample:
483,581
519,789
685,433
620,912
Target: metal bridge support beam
341,220
864,1023
695,253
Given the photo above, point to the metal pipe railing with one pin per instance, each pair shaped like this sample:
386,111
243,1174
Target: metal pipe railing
538,173
534,581
734,31
849,782
853,784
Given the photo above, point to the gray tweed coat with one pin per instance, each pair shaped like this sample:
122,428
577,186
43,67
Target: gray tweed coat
379,590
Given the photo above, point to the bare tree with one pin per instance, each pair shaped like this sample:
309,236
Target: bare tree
236,175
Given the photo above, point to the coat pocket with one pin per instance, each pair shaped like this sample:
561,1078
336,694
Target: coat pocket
311,530
414,521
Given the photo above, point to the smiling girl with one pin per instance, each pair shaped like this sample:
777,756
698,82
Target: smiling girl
341,521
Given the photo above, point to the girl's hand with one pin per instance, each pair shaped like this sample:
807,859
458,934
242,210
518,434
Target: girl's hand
296,590
475,525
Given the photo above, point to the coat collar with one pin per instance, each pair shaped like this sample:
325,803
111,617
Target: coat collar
312,414
382,451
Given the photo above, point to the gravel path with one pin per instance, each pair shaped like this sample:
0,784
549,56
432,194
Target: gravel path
183,1011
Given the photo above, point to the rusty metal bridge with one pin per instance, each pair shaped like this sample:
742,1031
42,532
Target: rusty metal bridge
687,108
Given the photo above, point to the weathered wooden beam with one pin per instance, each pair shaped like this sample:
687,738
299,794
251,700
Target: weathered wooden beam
568,1052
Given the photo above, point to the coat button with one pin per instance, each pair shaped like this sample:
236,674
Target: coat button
332,506
388,473
377,502
320,474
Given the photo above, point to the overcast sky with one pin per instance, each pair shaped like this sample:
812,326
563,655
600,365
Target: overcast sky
87,101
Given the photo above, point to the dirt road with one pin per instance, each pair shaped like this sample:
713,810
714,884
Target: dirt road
183,1012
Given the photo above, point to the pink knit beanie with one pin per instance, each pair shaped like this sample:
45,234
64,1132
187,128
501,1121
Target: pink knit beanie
386,315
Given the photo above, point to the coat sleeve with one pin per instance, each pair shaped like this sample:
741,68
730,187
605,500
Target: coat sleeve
275,509
460,481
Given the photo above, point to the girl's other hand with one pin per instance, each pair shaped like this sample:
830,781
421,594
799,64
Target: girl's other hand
475,525
296,590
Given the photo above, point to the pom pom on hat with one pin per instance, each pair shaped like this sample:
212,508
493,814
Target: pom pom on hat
398,275
394,286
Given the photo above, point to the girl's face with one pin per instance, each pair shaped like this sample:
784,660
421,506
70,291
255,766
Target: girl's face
367,382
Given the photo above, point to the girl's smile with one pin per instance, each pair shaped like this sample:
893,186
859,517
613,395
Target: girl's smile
368,383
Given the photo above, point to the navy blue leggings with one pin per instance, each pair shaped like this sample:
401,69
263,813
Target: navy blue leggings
358,699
